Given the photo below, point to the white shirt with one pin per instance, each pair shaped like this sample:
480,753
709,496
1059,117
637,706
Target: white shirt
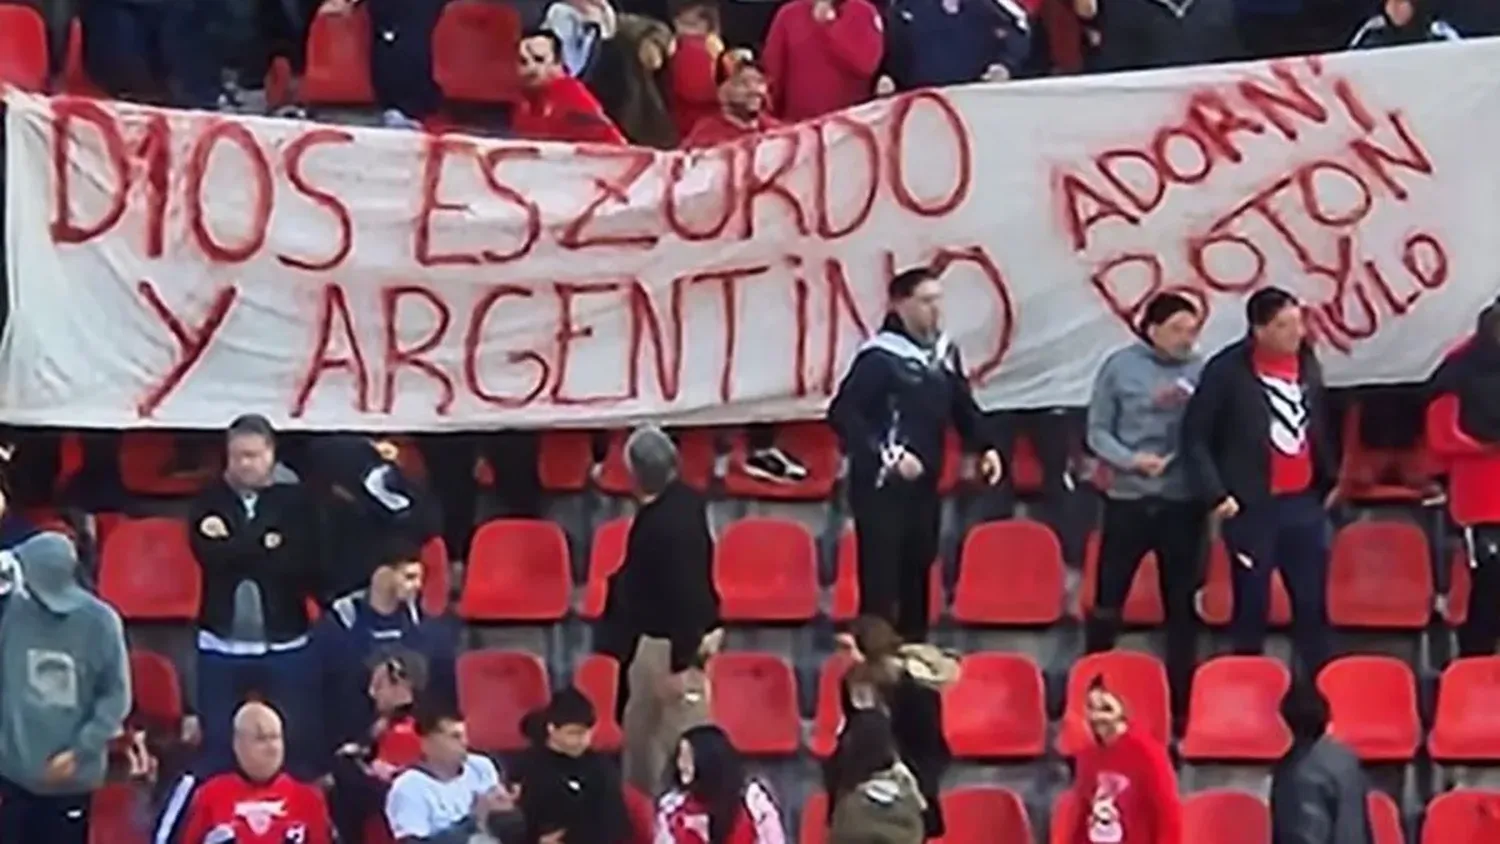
420,805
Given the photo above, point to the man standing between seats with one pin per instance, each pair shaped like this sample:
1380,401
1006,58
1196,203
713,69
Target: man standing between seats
891,413
1255,442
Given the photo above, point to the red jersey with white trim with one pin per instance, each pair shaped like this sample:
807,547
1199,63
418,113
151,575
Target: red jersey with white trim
230,809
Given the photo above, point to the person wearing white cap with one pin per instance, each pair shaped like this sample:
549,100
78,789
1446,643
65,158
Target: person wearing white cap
64,692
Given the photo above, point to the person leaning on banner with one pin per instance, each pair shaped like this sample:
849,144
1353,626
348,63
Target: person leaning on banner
1256,445
554,106
891,413
1318,789
1125,787
64,693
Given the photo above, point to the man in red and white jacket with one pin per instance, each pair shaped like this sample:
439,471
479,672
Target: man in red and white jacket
1126,790
554,106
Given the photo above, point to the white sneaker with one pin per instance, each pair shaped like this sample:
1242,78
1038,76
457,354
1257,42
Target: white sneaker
774,466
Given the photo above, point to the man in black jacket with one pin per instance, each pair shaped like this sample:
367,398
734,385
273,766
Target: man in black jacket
569,793
255,541
891,413
1256,444
1318,789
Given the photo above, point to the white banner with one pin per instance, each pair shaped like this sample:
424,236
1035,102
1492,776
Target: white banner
178,269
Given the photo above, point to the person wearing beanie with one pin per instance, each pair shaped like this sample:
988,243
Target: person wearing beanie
64,692
567,789
1318,788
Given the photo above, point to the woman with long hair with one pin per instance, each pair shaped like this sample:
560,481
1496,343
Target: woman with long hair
873,798
710,799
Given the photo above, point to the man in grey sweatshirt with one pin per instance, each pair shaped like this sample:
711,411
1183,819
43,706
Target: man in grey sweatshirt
64,693
1134,420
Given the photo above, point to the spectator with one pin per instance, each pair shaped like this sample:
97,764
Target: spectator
629,66
453,794
822,55
580,26
363,770
255,542
64,693
693,91
1403,22
568,791
1135,425
1318,788
1125,783
743,95
711,800
555,106
1254,438
15,528
661,617
935,43
906,682
873,797
255,803
891,413
154,52
1138,34
1473,374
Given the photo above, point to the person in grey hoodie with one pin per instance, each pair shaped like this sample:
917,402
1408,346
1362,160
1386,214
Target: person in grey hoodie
1134,419
64,693
1318,789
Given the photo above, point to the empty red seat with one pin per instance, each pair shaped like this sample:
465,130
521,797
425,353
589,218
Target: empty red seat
766,570
148,572
845,605
496,689
118,814
697,452
1467,725
985,815
564,460
474,48
338,59
812,444
1373,704
1380,576
814,826
605,558
435,576
1143,604
1138,679
517,572
1385,819
1463,816
156,690
1472,466
753,696
1235,712
23,48
165,464
829,713
1216,600
598,677
1011,574
1225,817
997,709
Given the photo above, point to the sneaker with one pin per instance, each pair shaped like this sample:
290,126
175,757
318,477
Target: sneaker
394,119
775,466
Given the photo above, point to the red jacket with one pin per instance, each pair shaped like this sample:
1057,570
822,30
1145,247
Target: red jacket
718,128
1127,794
817,67
692,91
683,820
397,744
564,110
275,812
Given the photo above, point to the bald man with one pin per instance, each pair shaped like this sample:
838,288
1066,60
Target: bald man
257,803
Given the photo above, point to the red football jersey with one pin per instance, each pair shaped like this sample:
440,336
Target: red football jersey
230,807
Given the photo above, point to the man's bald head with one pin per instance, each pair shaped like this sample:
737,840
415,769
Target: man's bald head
258,744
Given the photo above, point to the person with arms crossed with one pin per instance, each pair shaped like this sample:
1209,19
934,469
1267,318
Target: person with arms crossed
451,795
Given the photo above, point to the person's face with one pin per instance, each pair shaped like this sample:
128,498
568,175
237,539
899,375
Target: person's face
387,691
570,739
404,581
250,460
746,93
1105,715
846,644
539,64
1400,12
448,745
1284,333
685,769
922,312
259,749
1177,335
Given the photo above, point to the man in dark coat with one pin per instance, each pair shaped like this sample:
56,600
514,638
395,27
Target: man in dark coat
1318,789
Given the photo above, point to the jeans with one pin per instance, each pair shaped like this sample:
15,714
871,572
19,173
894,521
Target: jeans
42,818
1292,533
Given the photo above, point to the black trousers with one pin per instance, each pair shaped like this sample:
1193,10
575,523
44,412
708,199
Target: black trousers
1291,533
1480,633
896,528
42,818
1176,531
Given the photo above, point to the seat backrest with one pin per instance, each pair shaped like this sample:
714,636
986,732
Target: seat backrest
997,708
435,576
605,557
1372,702
496,689
753,696
157,692
1380,576
1010,573
23,48
985,815
767,569
1226,817
1235,710
1143,604
147,571
1385,819
338,59
517,571
1463,816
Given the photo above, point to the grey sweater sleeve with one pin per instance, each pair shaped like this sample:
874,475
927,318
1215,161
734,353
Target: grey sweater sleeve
111,692
1104,409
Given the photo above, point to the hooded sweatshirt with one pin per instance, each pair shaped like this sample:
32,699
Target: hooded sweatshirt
64,680
581,795
817,67
1137,405
1128,792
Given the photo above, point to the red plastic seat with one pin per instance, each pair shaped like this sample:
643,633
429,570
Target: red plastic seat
1216,599
1380,576
753,696
696,452
1385,819
766,570
1373,704
118,815
997,709
1225,817
985,815
1235,712
605,558
829,713
155,687
517,572
1064,818
164,464
1138,679
435,576
1370,475
565,459
338,60
23,48
1472,466
1010,574
496,689
1467,725
845,605
1143,604
104,526
814,826
148,572
76,81
1463,816
598,677
813,444
474,48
